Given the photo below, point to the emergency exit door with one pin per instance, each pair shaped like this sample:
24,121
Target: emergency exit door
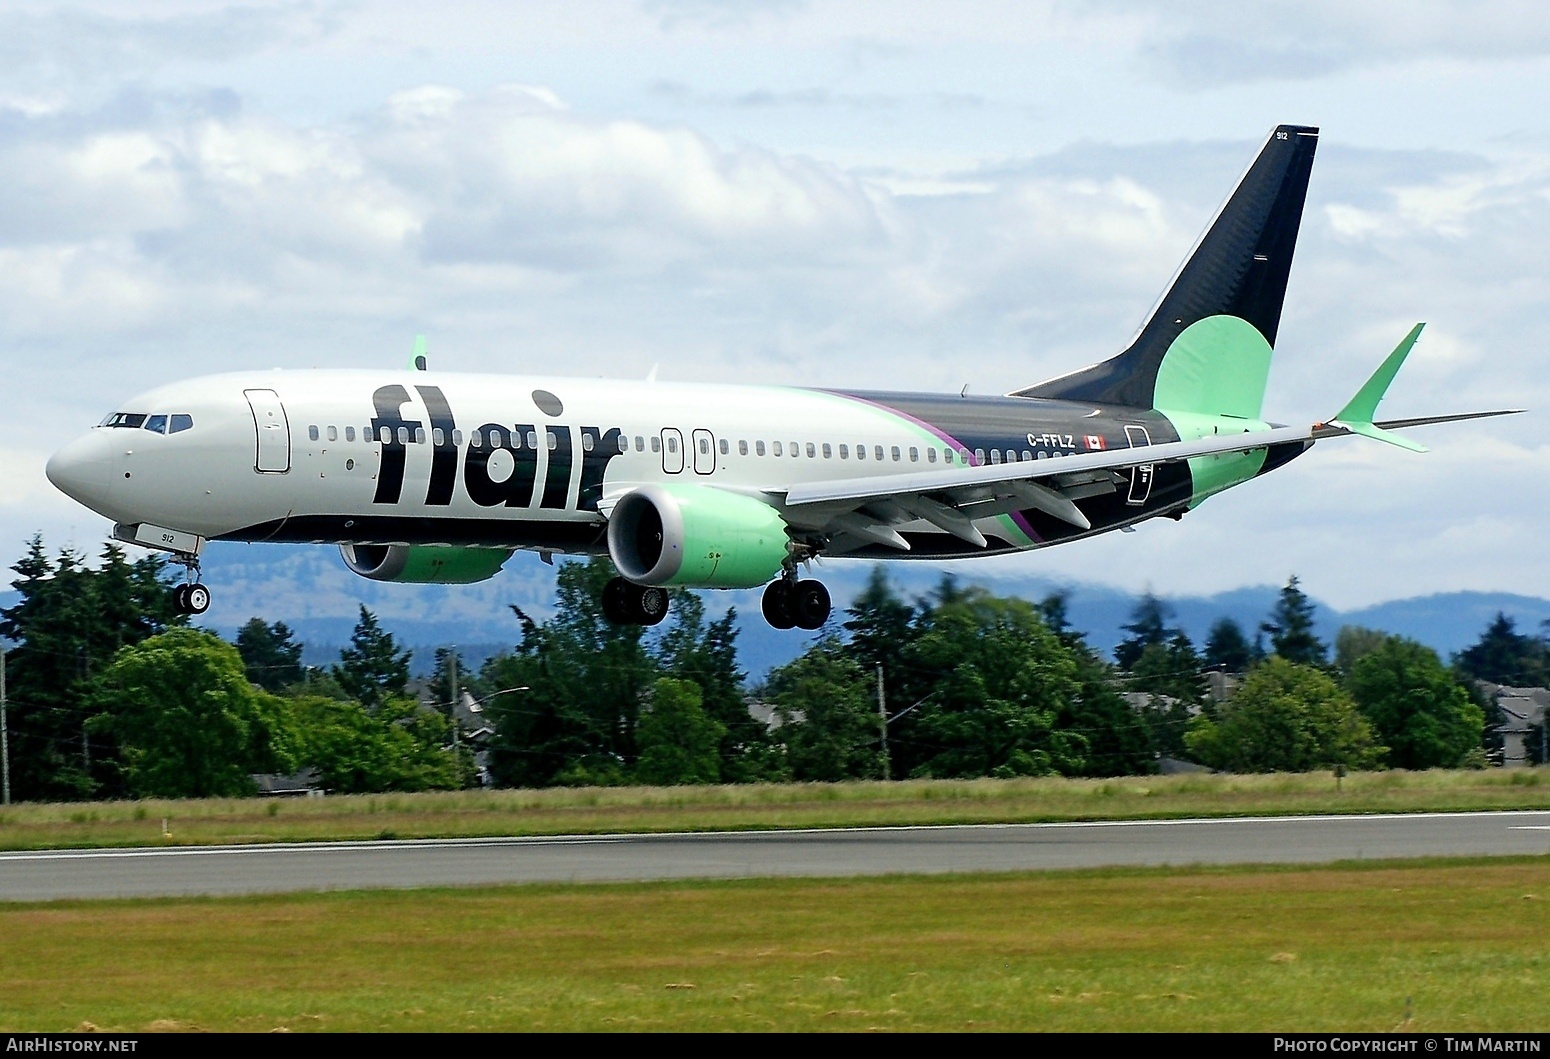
1140,477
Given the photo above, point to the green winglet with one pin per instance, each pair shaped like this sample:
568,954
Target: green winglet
1357,415
417,360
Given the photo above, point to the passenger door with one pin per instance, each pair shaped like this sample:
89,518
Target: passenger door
272,430
1140,477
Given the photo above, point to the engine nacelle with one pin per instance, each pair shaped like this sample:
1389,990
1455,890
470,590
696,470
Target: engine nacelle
424,564
695,536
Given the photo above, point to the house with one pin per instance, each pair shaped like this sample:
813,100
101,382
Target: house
1523,718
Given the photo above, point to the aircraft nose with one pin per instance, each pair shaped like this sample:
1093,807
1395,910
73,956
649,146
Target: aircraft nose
82,471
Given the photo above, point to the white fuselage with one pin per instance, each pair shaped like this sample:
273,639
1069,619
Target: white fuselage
334,456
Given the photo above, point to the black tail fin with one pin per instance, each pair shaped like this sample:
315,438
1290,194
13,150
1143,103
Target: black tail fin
1238,268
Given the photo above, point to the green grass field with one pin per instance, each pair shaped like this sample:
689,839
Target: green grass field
1419,946
639,809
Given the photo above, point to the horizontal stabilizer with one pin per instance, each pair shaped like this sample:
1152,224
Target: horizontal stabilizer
1426,421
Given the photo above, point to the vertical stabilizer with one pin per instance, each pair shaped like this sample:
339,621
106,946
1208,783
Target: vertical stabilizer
1238,269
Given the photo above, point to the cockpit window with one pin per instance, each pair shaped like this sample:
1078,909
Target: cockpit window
180,423
125,419
156,424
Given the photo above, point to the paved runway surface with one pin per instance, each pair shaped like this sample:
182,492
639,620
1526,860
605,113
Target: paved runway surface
869,851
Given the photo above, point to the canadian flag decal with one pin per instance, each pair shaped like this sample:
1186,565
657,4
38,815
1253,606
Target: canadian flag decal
1093,441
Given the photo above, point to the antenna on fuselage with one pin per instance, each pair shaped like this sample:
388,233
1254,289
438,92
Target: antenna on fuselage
417,359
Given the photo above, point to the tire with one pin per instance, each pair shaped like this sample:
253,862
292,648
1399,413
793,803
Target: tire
617,597
776,605
650,605
180,599
811,605
197,599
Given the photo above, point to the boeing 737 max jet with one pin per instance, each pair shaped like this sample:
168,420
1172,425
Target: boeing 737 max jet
423,476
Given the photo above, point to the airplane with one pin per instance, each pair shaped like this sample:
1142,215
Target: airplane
429,477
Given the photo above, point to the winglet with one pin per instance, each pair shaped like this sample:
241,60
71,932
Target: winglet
1357,415
417,359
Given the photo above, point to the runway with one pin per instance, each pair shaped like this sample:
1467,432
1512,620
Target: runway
277,868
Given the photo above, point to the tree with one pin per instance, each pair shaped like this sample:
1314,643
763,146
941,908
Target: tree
1415,706
67,623
1148,626
189,722
705,653
1118,742
1227,648
399,747
828,715
679,742
1290,628
372,668
1353,642
586,679
1285,717
1004,681
1503,655
1171,674
272,659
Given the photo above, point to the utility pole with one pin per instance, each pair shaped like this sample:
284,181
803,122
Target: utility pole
5,738
452,679
882,722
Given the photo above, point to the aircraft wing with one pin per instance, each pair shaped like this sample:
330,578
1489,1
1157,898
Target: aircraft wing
868,509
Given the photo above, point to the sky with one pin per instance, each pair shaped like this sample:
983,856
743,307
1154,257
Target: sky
853,194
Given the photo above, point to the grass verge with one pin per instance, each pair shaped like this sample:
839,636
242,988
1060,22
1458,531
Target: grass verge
758,806
1434,946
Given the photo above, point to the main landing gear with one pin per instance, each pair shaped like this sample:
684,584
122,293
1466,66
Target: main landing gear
626,603
789,602
190,597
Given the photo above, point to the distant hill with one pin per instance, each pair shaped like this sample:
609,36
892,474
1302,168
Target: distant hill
312,592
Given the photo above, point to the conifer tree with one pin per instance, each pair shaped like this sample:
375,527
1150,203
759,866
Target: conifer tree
372,669
270,656
1290,628
1227,648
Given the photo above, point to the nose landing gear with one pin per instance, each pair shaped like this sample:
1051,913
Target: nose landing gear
791,603
190,597
626,603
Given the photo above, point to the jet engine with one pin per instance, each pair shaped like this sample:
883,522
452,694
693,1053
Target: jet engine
695,536
424,564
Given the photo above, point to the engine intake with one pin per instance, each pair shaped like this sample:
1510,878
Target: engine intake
695,536
424,564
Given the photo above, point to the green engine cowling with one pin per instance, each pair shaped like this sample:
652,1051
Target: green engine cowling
695,536
424,564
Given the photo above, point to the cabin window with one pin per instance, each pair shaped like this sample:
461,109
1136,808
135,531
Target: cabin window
758,448
551,440
672,444
181,423
726,447
419,435
586,443
742,448
476,440
403,435
333,433
656,444
963,456
624,443
895,451
775,448
312,432
995,456
156,424
532,439
1027,455
349,433
640,444
844,452
930,455
877,452
438,437
860,452
795,450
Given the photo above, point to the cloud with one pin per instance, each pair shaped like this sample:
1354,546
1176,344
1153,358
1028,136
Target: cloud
1197,44
719,14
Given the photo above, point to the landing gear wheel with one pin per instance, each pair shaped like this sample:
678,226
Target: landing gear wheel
628,604
810,605
650,605
197,599
617,596
777,605
180,599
